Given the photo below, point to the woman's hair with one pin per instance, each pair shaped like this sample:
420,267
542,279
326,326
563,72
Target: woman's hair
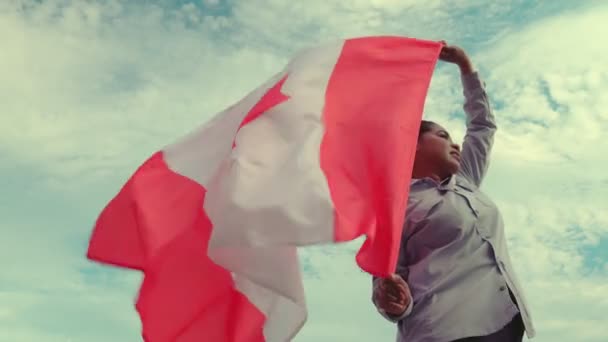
425,126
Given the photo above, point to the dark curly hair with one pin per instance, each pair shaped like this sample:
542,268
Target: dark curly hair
425,126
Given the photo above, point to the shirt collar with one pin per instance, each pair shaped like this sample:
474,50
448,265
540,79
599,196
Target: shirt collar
447,183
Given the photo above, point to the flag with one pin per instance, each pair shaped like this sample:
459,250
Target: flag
320,153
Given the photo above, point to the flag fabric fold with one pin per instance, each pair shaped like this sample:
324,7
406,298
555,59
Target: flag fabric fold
320,153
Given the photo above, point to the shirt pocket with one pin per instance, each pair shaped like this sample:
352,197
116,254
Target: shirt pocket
484,200
419,209
476,200
434,224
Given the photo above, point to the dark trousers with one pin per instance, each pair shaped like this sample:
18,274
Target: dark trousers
512,332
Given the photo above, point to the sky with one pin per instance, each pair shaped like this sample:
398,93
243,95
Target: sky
89,89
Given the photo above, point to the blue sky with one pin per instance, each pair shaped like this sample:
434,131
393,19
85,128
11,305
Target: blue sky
90,88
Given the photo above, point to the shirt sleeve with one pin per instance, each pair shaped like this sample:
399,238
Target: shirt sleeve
389,317
481,127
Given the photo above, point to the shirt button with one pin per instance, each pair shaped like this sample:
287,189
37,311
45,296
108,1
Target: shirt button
502,288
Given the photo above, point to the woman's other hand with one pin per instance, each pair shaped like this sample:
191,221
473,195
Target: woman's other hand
392,295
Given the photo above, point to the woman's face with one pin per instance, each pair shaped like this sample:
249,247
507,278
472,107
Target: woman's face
436,151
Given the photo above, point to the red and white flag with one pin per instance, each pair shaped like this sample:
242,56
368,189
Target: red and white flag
321,153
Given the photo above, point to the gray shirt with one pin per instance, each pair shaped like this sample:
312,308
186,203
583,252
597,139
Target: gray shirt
453,251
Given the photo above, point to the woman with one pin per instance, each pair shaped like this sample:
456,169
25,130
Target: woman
454,278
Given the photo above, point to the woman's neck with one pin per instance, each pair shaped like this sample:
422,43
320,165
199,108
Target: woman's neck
419,173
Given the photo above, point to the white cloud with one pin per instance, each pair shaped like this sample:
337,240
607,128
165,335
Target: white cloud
71,81
211,2
551,74
89,89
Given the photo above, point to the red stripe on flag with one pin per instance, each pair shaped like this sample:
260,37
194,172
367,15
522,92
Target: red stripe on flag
374,103
184,296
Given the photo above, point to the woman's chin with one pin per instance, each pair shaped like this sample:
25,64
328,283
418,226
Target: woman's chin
454,166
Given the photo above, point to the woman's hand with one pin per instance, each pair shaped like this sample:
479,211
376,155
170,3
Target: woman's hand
392,295
456,55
